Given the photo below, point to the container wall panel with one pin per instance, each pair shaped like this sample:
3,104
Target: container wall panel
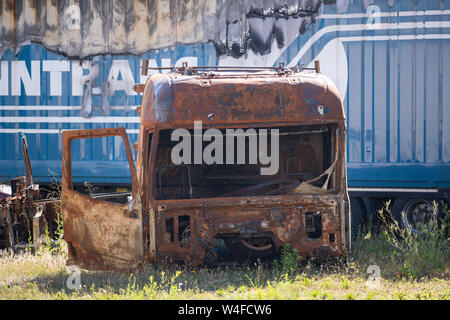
390,60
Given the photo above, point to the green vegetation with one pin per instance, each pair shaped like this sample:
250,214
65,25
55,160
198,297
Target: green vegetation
289,260
412,265
404,253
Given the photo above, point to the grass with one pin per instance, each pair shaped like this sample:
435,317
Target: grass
410,265
44,276
402,253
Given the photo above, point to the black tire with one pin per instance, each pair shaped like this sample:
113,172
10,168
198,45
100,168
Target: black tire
358,216
416,210
239,252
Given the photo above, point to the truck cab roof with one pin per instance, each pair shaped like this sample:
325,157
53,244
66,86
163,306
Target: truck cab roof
239,97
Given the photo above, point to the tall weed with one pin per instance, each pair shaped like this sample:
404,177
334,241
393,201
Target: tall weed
405,252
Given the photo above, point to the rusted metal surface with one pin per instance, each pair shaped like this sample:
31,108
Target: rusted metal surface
26,159
24,215
100,233
261,98
311,213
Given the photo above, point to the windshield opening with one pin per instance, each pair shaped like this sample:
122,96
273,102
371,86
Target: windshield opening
246,162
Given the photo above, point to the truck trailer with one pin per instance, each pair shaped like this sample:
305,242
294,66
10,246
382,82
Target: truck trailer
388,59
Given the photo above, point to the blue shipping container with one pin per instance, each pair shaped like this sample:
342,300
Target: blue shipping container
390,62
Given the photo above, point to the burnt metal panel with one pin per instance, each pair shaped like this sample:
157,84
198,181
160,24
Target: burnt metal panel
79,29
101,234
239,99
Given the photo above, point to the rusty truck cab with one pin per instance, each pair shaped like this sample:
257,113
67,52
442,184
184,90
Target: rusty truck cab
200,211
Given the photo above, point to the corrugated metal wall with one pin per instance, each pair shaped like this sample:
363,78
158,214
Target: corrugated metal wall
42,117
394,77
81,28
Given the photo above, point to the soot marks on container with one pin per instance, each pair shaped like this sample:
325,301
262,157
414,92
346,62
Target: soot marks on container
258,44
18,8
263,25
302,29
259,38
284,11
114,27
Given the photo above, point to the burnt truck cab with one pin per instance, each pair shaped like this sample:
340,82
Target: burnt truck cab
217,204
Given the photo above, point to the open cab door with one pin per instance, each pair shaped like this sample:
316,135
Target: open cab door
99,233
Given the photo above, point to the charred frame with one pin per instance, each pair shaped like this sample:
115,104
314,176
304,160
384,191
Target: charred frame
182,212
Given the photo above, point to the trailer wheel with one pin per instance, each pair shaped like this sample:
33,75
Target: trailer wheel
417,211
358,216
